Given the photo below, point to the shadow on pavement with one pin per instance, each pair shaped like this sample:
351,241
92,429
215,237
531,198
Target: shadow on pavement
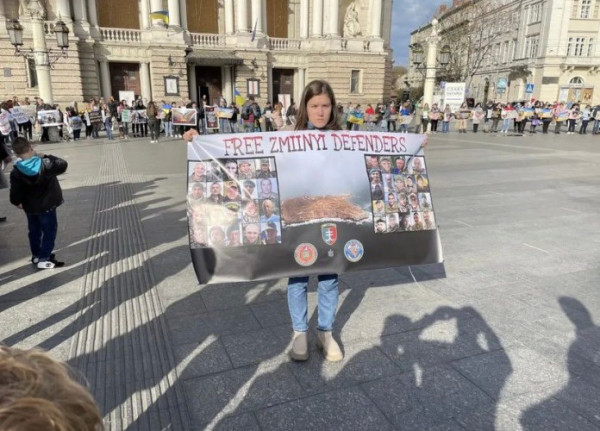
576,405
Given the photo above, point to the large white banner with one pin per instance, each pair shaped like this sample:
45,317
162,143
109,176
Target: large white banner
270,205
454,95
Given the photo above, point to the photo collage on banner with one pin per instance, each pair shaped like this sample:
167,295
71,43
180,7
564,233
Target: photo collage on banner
233,202
400,195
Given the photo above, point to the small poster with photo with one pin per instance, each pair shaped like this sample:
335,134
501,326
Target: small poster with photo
403,207
184,117
5,128
19,115
49,118
126,116
399,164
391,203
372,162
142,116
95,117
210,116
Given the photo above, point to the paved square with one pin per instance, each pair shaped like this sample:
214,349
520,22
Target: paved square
504,335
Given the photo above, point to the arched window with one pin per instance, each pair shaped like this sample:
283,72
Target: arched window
576,81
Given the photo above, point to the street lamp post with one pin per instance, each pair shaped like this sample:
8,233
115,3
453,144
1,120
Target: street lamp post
431,64
44,57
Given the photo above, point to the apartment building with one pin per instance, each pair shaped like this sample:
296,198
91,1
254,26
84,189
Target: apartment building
520,49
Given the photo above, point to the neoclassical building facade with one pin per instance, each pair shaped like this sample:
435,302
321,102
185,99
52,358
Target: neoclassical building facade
552,45
209,49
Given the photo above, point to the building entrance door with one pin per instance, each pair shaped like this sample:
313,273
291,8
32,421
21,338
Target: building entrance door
283,83
210,88
124,77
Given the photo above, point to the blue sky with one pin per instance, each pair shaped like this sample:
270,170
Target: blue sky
407,15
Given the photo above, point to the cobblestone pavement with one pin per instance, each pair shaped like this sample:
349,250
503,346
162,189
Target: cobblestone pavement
504,335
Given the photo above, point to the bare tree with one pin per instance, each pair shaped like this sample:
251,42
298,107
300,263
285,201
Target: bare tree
472,30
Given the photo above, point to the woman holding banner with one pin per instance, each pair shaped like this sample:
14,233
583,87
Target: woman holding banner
316,111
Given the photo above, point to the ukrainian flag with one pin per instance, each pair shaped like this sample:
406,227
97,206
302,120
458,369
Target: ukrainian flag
162,15
239,99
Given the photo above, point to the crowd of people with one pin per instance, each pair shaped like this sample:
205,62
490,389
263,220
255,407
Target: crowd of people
154,119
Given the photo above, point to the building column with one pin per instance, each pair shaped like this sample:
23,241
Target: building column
432,42
183,8
334,12
40,52
2,13
317,22
156,6
92,12
80,10
301,82
145,14
174,13
229,28
192,82
63,10
376,19
257,16
145,82
242,15
105,79
227,84
303,19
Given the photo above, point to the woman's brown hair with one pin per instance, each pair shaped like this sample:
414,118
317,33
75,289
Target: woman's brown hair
313,89
37,393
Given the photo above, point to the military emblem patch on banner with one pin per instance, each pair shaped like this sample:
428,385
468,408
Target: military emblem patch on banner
329,233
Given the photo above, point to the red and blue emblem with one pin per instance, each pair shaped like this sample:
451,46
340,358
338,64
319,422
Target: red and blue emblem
329,233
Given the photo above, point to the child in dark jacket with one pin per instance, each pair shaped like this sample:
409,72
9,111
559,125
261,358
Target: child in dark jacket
35,189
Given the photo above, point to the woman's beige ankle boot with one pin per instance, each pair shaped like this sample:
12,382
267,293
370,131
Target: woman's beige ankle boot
299,350
330,347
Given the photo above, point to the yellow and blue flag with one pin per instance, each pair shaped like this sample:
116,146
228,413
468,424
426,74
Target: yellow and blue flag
239,99
162,15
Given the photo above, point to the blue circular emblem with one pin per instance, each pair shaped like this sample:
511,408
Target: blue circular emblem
354,250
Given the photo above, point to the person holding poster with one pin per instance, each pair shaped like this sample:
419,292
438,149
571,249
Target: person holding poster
315,112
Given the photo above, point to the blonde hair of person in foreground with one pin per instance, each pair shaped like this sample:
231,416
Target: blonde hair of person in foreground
38,393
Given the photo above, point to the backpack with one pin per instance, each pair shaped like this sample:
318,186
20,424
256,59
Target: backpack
247,114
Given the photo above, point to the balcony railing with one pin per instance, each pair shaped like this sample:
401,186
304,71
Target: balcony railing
208,40
121,35
284,44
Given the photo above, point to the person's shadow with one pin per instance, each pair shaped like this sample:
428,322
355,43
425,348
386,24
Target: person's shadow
576,405
408,381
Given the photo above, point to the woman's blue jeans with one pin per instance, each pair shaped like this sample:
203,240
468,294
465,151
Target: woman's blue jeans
328,294
445,126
